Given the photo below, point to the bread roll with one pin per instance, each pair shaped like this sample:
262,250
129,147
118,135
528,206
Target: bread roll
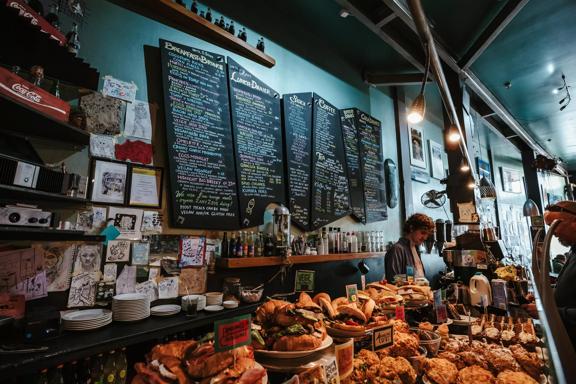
327,308
338,302
324,295
353,311
297,343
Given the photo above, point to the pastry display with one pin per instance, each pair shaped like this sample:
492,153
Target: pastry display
475,375
189,361
510,377
370,368
508,330
440,371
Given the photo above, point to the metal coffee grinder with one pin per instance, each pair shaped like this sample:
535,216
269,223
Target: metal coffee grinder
281,231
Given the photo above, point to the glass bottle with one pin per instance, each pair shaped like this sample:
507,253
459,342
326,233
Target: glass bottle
52,16
232,246
221,22
209,15
73,42
250,243
121,367
56,376
224,245
259,246
239,247
269,246
56,88
110,368
244,244
231,28
43,377
194,7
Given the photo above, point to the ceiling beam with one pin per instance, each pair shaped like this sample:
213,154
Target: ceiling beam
497,25
383,79
386,20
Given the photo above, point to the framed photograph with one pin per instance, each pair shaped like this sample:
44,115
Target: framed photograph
484,169
436,159
511,180
417,157
109,182
145,187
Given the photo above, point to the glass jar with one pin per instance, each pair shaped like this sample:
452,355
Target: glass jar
231,288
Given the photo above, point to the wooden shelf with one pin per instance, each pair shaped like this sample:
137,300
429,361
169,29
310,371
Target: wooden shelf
22,120
249,262
24,45
44,234
179,17
11,192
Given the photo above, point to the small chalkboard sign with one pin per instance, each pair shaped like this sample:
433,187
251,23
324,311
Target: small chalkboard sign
255,111
355,178
382,337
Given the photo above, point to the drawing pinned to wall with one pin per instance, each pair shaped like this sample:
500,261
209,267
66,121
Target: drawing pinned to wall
126,282
436,159
32,288
118,251
151,223
83,290
88,258
168,288
102,146
119,89
84,220
58,261
192,251
138,122
128,221
140,253
149,288
110,272
109,182
98,217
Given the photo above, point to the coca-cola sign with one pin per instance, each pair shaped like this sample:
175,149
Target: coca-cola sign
26,92
25,11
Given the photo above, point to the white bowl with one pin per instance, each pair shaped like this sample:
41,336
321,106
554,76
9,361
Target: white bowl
201,302
229,304
214,298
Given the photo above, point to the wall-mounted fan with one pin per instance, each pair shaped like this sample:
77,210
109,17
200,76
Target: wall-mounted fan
433,199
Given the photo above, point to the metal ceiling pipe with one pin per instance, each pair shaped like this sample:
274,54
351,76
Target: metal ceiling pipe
423,30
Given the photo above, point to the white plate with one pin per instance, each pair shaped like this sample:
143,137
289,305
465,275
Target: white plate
167,308
295,354
130,296
464,320
86,314
213,308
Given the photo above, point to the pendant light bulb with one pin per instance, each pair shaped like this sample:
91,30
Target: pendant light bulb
471,184
464,167
453,135
417,110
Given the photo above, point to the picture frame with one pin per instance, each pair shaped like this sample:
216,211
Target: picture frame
417,157
484,169
436,159
511,180
145,186
109,181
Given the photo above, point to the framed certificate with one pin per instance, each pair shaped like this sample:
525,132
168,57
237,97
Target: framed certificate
145,187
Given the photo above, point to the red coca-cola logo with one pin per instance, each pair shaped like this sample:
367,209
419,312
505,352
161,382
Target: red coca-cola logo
24,12
26,92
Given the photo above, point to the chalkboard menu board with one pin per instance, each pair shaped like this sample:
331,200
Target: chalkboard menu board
372,164
297,108
255,110
330,192
199,138
355,179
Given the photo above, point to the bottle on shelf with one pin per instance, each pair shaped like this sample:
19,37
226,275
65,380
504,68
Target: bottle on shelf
242,35
354,243
52,16
56,376
194,7
232,246
73,41
109,373
221,22
250,244
269,246
56,88
209,15
259,246
202,14
244,244
224,246
231,28
239,248
42,377
260,44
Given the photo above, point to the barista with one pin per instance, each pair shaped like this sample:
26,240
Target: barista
404,253
565,292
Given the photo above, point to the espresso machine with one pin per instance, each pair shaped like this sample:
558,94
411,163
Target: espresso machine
468,256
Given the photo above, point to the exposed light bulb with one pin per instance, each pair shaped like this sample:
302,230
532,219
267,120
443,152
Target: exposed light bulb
414,117
464,167
471,185
417,110
454,136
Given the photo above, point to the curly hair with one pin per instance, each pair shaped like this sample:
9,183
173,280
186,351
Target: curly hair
418,221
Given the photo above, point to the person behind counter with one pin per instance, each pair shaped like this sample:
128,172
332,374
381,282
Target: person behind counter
404,252
565,292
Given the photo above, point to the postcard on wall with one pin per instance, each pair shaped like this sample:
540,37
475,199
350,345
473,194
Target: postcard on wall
128,221
109,182
58,261
153,273
119,89
138,122
32,288
98,217
126,281
151,223
88,258
192,251
140,252
192,280
84,220
149,288
102,146
83,290
110,272
168,287
118,251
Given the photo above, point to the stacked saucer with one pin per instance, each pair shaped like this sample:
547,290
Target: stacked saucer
130,307
86,319
165,310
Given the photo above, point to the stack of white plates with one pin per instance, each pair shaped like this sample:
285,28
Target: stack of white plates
86,319
130,307
165,310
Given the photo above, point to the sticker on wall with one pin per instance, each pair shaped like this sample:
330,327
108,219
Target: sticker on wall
119,89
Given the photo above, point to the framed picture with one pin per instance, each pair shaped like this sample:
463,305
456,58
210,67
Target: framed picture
417,157
109,182
436,159
145,186
484,169
511,180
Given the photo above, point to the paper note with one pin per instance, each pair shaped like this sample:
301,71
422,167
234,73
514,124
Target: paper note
140,253
126,282
83,290
153,273
304,281
32,288
192,280
151,223
144,187
149,288
102,146
232,333
466,212
168,288
119,89
118,251
192,251
128,221
138,122
110,272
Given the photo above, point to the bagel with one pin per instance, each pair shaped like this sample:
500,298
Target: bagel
297,343
352,311
327,308
338,302
368,308
324,295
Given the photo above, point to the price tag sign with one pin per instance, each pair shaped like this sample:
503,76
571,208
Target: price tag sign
304,281
400,315
382,337
232,333
331,371
409,273
352,293
441,314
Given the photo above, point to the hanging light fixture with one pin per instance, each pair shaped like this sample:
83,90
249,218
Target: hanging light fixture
530,209
464,167
453,134
418,108
487,189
